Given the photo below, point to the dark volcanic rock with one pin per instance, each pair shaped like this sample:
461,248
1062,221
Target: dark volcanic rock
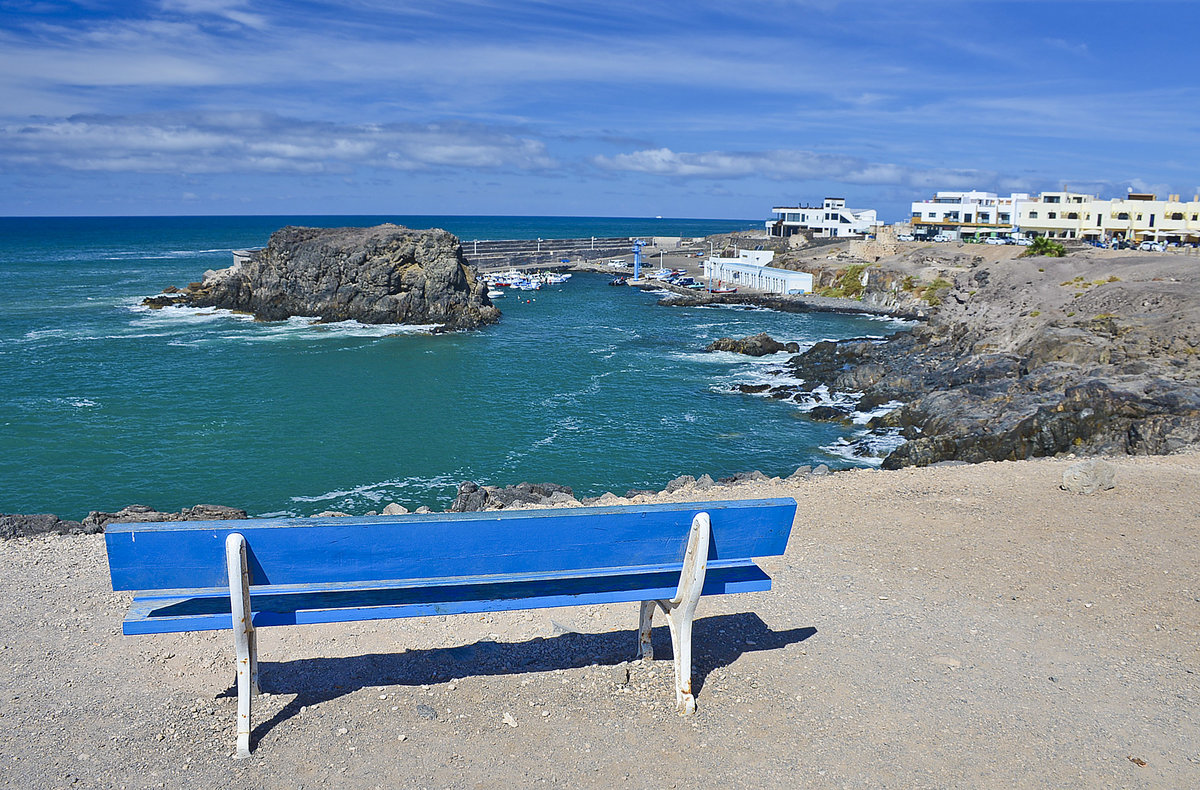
96,520
1035,358
382,275
828,414
756,345
472,497
21,526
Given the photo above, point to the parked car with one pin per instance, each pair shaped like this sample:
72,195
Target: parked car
1151,246
1023,242
942,237
994,240
904,237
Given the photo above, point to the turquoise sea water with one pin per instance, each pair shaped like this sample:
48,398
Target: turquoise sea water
105,403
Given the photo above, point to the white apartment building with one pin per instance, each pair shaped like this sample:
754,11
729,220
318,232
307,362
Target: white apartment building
973,213
1058,215
830,219
751,270
1136,217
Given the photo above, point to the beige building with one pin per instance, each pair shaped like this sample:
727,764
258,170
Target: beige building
1136,217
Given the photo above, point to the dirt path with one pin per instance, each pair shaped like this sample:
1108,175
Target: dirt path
961,626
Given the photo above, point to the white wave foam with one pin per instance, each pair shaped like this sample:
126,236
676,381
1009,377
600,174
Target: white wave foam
377,492
867,447
305,327
864,417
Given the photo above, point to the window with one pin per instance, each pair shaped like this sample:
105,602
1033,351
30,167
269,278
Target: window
1005,218
1073,215
1052,215
1177,216
1033,215
932,215
1122,215
1050,199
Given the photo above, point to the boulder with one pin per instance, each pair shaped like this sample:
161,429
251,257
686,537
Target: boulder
756,345
1088,477
387,274
683,481
828,414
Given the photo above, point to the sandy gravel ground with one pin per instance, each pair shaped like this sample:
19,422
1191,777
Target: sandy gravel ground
960,626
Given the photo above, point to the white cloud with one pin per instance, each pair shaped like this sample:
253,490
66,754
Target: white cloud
789,165
259,142
232,10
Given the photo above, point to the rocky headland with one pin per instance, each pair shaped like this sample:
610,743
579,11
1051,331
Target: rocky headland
387,274
1022,357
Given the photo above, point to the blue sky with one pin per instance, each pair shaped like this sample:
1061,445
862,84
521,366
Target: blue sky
698,109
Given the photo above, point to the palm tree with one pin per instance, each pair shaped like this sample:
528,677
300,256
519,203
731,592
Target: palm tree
1043,245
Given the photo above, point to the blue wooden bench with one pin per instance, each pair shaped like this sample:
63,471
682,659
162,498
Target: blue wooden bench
247,574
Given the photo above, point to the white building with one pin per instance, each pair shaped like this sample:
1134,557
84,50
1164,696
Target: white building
750,270
974,213
830,219
1058,215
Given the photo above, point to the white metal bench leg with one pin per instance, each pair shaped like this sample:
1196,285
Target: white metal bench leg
681,611
244,639
645,626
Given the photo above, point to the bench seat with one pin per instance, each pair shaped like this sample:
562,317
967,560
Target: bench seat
174,611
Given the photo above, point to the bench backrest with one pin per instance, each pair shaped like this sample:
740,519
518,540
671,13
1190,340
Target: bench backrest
179,555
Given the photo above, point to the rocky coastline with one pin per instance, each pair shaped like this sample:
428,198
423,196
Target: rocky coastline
387,274
1024,357
1015,358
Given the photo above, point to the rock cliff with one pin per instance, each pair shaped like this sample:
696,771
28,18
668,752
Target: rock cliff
382,275
1031,357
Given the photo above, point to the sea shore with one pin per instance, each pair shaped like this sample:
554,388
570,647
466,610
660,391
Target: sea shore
953,626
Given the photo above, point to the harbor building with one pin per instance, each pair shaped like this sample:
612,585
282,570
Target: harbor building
959,214
831,219
752,269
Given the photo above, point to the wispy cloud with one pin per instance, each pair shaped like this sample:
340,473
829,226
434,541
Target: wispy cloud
260,142
788,165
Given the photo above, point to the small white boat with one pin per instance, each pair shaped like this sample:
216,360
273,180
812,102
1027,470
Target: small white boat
495,293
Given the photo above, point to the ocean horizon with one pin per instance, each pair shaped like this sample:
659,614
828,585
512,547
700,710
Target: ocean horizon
108,403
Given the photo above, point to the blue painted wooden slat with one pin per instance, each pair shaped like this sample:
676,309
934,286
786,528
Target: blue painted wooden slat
150,615
337,550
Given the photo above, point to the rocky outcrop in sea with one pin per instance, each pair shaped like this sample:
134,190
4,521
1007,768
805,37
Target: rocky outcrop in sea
755,346
387,274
